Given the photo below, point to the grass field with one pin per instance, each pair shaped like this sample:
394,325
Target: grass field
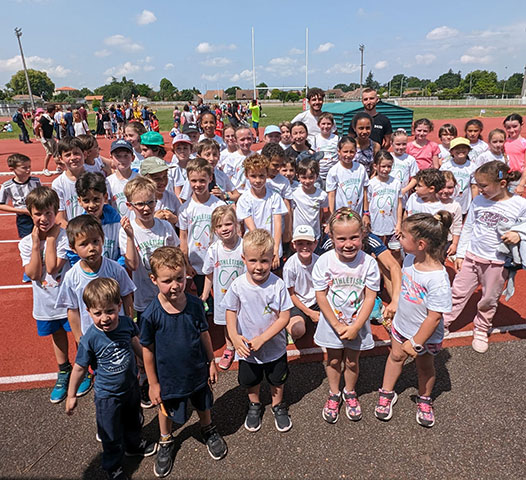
277,113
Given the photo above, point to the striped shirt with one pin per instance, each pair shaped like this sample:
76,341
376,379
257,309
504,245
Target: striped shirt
17,192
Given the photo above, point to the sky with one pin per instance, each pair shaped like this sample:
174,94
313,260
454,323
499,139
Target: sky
207,44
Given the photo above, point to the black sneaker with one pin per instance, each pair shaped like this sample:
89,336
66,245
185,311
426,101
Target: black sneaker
215,443
145,396
144,449
281,417
253,419
117,474
164,461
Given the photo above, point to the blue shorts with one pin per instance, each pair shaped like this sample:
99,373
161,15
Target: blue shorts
255,124
49,327
176,408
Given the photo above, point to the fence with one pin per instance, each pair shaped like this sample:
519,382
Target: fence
465,102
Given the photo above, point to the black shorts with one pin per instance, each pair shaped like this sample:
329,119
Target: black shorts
296,312
176,408
251,374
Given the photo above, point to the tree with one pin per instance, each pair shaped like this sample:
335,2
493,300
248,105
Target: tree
370,82
293,97
275,94
166,89
185,95
84,92
231,92
144,90
41,84
342,86
262,93
448,80
513,85
480,83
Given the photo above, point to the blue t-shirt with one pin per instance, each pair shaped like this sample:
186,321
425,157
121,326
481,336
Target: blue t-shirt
111,354
373,245
180,357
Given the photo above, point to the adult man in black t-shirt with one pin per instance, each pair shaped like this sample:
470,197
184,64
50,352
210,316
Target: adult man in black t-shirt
44,130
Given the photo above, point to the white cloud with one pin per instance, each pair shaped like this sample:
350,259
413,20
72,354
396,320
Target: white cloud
210,78
477,54
148,68
346,68
282,61
244,75
122,42
102,53
425,59
296,51
169,66
146,17
47,65
205,47
122,70
440,33
324,47
216,62
58,71
381,64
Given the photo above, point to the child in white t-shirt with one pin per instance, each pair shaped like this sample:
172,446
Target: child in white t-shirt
326,142
418,327
496,142
208,125
167,204
257,311
45,248
404,167
429,182
347,181
297,275
182,149
132,134
232,164
93,162
195,219
121,153
260,207
473,130
453,207
223,264
308,201
446,133
385,198
288,170
346,280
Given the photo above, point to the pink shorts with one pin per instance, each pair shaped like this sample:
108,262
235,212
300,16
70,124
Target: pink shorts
431,348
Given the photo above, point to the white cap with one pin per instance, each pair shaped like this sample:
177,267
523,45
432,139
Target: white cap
304,232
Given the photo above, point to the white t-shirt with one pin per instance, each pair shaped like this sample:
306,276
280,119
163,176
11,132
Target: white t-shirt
262,210
176,176
421,292
97,167
383,204
299,276
476,149
404,168
76,279
118,199
456,211
329,147
444,154
306,208
81,128
416,205
231,163
480,234
45,290
488,156
280,185
137,160
217,138
464,176
311,123
168,201
147,240
69,200
257,308
346,283
196,219
221,179
349,184
225,265
17,192
110,248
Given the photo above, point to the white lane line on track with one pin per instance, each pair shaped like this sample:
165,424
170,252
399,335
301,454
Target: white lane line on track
9,241
6,214
42,377
14,287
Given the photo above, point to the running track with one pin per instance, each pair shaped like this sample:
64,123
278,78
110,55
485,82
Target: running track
27,361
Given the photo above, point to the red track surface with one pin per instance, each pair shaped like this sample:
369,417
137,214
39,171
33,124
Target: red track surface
24,353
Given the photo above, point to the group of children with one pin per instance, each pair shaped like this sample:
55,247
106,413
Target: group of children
272,241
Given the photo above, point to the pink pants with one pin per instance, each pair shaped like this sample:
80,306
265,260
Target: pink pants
474,272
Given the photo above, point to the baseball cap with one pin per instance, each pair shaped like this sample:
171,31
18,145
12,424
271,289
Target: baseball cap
121,143
152,138
181,138
304,232
152,165
459,141
271,129
190,128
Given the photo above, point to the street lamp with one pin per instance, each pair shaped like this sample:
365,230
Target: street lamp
505,80
18,33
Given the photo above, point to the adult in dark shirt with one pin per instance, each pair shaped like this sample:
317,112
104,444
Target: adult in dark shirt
382,129
68,118
83,113
44,130
18,118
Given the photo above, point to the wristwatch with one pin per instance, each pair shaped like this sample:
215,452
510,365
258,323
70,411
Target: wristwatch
417,347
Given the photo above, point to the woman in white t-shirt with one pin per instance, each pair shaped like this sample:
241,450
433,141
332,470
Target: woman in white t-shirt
80,126
346,280
418,327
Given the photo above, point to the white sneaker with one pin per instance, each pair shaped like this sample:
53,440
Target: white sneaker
480,341
46,172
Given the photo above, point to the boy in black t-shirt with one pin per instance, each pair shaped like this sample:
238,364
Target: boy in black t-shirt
178,356
109,346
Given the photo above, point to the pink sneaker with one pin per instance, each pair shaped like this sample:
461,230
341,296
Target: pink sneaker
480,341
227,359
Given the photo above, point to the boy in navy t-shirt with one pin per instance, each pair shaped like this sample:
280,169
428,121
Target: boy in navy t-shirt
109,346
178,356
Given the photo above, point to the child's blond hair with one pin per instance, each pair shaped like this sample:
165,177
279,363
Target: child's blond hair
170,257
344,215
139,184
260,239
207,144
220,213
199,165
102,292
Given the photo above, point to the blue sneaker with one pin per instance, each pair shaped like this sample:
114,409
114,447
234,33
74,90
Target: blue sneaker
377,313
85,385
60,391
26,279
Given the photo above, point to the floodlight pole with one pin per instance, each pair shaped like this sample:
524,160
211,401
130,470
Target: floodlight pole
523,89
18,33
306,61
362,48
254,64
